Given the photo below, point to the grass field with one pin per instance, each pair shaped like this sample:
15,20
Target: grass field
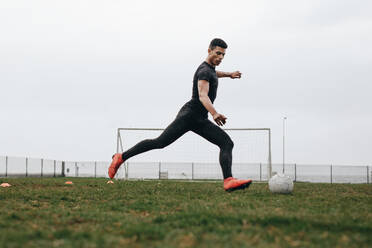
45,212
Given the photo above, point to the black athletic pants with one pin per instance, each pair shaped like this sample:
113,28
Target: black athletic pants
188,120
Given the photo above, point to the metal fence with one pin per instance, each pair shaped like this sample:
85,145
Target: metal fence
35,167
30,167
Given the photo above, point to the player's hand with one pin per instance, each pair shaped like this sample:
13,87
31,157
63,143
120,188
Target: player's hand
236,74
219,119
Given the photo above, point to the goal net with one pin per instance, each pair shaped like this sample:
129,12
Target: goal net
193,157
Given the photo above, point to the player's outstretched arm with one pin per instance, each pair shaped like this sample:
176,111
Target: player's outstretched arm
233,75
203,89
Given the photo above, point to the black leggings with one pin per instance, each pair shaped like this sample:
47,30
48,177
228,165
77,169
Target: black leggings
186,121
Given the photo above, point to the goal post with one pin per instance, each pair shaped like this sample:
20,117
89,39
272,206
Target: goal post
252,146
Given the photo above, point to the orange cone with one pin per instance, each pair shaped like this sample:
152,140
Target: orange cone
68,182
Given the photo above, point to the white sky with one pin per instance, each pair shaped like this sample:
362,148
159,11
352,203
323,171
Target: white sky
71,72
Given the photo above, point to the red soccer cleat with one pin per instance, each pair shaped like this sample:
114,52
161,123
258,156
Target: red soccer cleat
230,184
117,160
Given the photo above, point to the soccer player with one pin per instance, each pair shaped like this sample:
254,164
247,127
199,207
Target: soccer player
193,116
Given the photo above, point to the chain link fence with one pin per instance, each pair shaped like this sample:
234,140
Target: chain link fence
35,167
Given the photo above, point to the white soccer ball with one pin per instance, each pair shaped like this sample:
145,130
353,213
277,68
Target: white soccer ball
281,184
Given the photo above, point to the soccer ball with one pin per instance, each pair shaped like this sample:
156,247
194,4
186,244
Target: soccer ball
281,184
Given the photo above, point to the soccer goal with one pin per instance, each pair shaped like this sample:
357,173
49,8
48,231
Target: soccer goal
193,157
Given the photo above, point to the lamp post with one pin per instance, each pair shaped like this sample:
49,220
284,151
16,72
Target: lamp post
284,118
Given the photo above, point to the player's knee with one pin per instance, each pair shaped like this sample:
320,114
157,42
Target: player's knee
229,144
160,144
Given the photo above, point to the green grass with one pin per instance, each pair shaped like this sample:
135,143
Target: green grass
44,212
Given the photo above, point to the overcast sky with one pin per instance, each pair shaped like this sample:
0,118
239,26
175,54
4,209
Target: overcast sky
73,71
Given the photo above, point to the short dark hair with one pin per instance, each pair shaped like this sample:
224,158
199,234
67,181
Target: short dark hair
217,42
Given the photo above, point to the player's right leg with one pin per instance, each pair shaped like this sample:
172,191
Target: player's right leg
219,137
175,130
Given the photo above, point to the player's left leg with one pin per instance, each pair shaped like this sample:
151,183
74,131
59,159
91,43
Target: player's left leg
219,137
175,130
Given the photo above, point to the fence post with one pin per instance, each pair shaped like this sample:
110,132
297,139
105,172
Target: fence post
192,170
54,174
6,166
159,170
295,172
367,174
26,167
331,174
127,171
261,171
95,169
42,165
63,169
76,170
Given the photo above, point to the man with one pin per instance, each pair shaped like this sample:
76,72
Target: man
193,116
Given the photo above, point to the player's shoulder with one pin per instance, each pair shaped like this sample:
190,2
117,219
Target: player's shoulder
205,68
